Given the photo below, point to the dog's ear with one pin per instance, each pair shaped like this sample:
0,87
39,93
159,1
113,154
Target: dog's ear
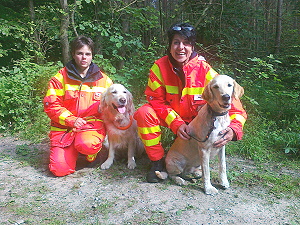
103,103
130,106
207,94
238,90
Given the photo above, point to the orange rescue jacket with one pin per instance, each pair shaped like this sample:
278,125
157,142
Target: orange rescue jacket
69,96
177,103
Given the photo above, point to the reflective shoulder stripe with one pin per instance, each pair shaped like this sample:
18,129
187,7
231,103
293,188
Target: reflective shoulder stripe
239,118
155,69
151,142
210,75
57,92
192,91
149,130
171,116
63,116
59,77
172,89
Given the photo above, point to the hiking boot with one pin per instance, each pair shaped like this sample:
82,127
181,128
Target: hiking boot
91,158
156,166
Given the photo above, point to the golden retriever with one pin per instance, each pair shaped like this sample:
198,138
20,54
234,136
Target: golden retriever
118,109
190,156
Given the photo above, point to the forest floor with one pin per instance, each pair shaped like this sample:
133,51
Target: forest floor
29,194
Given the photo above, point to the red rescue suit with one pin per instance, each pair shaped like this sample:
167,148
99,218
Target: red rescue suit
173,102
68,97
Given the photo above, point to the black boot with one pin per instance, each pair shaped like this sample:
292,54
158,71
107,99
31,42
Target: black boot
156,166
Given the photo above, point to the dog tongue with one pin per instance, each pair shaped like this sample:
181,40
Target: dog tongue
122,109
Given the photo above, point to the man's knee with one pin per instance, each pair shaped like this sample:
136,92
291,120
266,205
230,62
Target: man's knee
88,143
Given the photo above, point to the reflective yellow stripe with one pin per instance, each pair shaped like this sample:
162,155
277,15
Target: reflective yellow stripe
59,77
63,116
86,88
155,69
153,85
93,119
171,116
57,92
58,129
152,142
210,75
149,130
192,91
239,118
172,89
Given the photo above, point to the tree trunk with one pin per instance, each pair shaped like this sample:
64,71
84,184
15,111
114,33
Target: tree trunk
278,26
125,29
37,42
64,25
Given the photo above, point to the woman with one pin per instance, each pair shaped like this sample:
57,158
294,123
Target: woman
175,85
71,103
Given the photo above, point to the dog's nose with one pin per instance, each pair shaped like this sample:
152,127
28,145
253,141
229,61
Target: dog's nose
226,97
122,100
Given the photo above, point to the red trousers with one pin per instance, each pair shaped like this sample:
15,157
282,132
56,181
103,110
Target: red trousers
63,156
149,131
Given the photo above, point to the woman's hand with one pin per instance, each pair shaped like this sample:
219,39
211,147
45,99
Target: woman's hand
79,123
183,132
226,136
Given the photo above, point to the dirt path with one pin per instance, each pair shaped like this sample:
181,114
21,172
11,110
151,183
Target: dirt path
29,194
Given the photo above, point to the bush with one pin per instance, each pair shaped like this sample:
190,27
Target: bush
22,89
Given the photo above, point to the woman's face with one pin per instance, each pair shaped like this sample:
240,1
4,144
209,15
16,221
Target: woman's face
83,58
181,49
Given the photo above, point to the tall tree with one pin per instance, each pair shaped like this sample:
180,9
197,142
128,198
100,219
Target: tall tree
64,25
36,38
278,26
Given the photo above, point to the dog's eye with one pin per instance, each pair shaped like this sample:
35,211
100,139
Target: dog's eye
229,85
114,92
124,92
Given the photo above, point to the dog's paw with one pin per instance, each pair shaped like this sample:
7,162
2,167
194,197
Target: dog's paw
225,184
210,190
131,165
106,164
161,175
179,180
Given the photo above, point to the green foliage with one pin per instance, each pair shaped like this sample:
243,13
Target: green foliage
22,89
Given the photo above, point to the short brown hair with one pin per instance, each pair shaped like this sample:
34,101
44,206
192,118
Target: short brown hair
79,42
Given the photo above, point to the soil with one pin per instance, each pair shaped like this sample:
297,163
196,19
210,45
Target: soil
29,194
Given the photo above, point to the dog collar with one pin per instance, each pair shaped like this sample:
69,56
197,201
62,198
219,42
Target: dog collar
214,113
126,127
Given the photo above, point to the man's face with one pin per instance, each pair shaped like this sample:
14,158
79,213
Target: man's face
83,58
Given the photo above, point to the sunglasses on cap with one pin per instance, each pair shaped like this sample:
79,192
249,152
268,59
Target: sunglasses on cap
177,28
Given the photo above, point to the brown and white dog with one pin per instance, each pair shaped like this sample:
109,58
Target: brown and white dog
193,155
118,109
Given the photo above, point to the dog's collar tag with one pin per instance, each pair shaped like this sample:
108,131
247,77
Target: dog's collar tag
198,97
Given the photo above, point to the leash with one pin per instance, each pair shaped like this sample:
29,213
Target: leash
208,134
214,114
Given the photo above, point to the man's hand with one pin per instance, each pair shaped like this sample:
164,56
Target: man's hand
183,132
79,123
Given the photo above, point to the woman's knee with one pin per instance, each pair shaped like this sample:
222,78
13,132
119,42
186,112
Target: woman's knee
146,115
